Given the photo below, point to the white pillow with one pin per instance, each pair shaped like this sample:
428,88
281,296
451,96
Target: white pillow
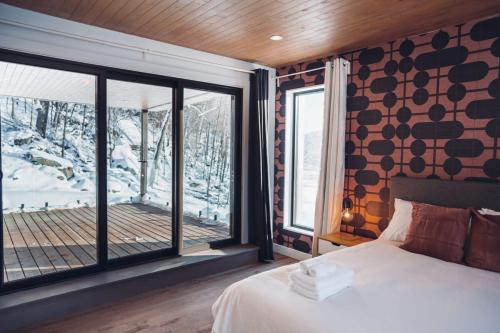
400,222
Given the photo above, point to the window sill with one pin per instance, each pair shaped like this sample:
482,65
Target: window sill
299,230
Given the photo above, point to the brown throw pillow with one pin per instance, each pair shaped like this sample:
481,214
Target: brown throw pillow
437,232
484,243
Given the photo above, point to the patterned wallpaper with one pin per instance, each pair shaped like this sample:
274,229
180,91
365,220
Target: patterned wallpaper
426,106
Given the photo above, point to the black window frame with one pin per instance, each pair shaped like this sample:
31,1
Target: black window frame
293,160
102,74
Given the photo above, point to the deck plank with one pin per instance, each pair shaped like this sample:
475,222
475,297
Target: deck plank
195,233
140,227
54,256
56,237
76,238
37,250
43,242
117,237
81,219
69,239
26,260
120,234
12,263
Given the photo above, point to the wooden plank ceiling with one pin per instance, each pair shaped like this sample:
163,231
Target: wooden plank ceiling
241,28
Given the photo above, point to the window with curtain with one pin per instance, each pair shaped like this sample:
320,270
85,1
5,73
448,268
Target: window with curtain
304,137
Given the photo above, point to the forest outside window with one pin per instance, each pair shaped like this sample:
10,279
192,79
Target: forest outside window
48,132
304,128
209,150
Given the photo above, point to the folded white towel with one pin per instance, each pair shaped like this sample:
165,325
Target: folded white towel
317,267
341,276
320,295
486,211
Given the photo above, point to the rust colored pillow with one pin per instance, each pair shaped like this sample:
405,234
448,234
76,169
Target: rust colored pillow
484,243
438,232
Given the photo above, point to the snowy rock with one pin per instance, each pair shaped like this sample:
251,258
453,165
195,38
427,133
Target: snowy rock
67,172
130,131
23,140
43,158
124,158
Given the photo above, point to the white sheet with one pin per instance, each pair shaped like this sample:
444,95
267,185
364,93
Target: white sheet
393,291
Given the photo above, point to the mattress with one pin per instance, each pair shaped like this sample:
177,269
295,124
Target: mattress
393,291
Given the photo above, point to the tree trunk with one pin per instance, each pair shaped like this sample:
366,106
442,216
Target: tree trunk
63,145
159,146
31,114
209,178
12,109
83,121
41,118
111,141
51,112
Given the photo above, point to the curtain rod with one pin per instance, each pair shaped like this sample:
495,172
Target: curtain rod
277,78
125,46
302,72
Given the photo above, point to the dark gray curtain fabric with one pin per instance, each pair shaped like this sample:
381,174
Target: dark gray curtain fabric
260,223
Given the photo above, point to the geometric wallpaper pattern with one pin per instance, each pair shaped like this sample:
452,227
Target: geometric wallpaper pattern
426,106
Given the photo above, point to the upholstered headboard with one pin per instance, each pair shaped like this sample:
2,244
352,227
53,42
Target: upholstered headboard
459,194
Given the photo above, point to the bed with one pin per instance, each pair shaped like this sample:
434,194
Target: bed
393,290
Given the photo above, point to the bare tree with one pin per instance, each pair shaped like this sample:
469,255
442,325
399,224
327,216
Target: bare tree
63,144
159,146
31,114
114,117
12,114
41,118
83,120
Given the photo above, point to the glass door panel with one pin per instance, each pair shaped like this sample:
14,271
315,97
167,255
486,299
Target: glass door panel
48,144
139,168
208,143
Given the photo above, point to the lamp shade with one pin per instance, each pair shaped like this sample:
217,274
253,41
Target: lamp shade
347,213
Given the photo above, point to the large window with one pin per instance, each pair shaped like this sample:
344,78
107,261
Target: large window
102,167
48,144
139,159
209,150
304,137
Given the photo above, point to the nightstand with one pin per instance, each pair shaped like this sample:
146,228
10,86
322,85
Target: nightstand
337,240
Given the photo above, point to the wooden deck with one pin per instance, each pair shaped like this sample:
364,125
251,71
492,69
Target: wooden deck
38,243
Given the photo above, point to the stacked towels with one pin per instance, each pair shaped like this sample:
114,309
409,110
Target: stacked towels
318,279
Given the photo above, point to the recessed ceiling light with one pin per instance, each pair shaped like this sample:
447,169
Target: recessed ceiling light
276,37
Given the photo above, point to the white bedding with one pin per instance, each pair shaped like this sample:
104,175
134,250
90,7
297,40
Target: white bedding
393,291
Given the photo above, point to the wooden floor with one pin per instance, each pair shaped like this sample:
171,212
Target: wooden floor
38,243
181,308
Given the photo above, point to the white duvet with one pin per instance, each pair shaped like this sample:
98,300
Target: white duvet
393,291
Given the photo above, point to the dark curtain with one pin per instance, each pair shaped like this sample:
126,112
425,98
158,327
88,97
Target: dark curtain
260,223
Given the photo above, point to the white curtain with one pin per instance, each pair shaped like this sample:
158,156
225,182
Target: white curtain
331,179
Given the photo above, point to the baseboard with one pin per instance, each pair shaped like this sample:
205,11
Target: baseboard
292,253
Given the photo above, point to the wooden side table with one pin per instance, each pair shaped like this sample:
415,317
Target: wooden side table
337,240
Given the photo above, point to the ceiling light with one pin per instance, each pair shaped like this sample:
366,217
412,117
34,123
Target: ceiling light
276,37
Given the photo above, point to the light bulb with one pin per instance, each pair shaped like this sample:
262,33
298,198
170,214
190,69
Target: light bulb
347,215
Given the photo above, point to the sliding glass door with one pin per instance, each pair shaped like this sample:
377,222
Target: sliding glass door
209,166
102,167
48,160
139,142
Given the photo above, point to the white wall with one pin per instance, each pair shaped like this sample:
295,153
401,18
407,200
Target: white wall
31,32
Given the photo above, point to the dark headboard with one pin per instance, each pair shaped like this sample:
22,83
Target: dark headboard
459,194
